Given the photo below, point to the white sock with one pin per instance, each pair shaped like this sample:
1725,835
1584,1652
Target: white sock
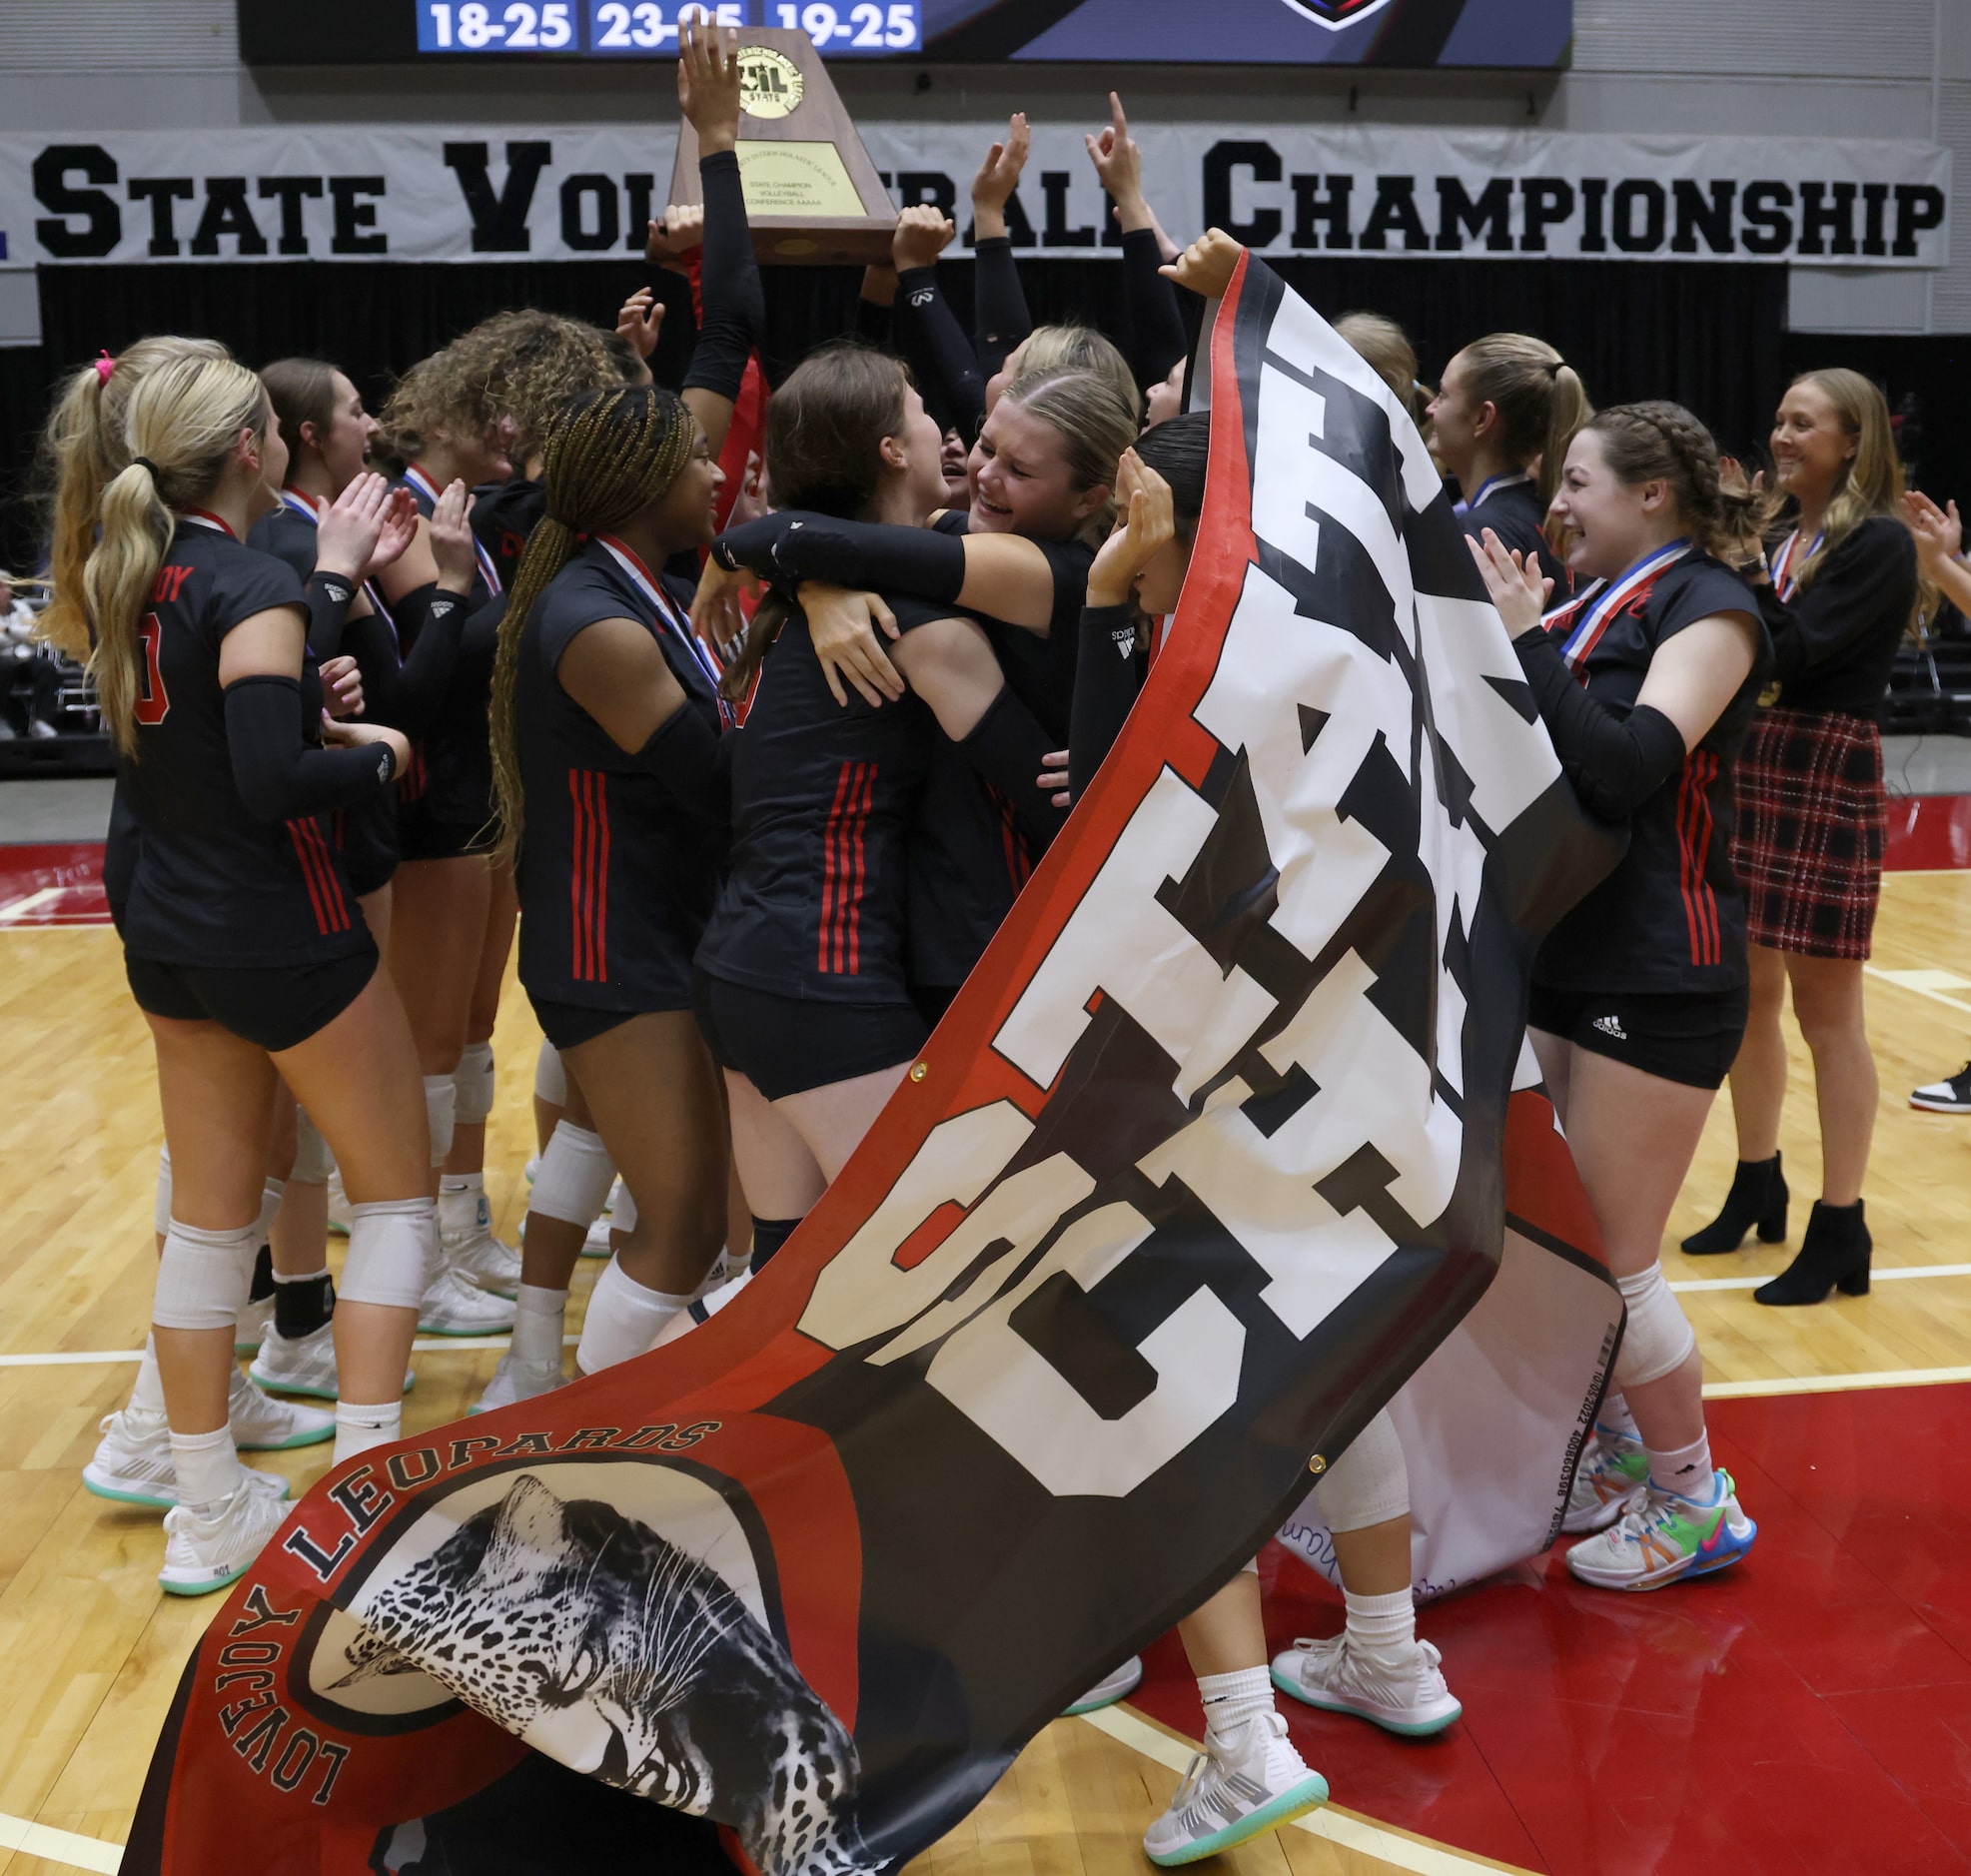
1231,1700
1686,1470
148,1394
1618,1419
459,1200
208,1467
357,1429
539,1325
269,1205
1383,1626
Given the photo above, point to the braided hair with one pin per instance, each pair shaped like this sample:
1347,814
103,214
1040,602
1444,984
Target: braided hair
606,456
1662,442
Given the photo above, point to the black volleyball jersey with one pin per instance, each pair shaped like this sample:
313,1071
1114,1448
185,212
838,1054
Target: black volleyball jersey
452,770
822,799
504,517
617,883
213,884
968,855
1671,916
1511,506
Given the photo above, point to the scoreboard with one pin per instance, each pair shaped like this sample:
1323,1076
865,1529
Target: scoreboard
1517,35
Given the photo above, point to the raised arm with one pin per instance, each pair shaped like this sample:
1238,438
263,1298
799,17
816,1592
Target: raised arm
927,330
1001,321
1156,324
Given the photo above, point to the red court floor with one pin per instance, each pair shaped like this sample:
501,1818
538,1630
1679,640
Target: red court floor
1808,1710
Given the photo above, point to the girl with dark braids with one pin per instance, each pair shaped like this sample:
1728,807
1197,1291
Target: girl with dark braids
1647,681
605,727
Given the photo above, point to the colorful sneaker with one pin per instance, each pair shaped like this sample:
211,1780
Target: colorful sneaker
133,1465
338,1204
262,1424
253,1325
207,1551
1951,1096
1411,1699
455,1306
515,1381
303,1365
1608,1483
1254,1784
1666,1537
1112,1687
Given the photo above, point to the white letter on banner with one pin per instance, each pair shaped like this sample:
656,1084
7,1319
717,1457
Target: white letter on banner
993,1375
861,1293
1120,941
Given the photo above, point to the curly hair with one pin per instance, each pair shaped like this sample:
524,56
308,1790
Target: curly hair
1662,442
520,365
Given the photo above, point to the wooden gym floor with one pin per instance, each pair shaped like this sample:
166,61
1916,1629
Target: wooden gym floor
90,1651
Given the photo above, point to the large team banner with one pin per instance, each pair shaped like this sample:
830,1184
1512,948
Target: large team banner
364,192
1207,1161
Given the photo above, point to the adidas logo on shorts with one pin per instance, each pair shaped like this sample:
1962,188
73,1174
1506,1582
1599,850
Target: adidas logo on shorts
1610,1026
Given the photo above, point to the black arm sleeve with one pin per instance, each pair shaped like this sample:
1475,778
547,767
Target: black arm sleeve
371,643
1002,319
435,617
329,595
277,773
1108,677
793,547
1156,322
873,322
734,302
1006,746
1614,763
929,331
683,754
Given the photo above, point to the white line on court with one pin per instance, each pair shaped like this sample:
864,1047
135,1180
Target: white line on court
20,908
59,1846
1879,1275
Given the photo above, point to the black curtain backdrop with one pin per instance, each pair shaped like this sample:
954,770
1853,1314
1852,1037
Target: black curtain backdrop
1712,337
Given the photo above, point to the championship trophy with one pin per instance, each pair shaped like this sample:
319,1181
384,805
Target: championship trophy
814,198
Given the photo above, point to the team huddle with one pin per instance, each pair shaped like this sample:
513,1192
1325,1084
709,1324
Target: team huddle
754,730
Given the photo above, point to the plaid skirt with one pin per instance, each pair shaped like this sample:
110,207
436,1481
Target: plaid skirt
1811,823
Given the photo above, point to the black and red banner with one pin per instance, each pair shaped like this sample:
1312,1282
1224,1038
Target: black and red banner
1203,1165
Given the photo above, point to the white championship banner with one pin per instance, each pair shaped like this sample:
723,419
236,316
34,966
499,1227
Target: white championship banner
347,191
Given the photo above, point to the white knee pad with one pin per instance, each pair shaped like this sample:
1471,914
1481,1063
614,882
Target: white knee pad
441,1114
393,1250
575,1178
550,1079
161,1204
313,1160
1369,1484
622,1321
1658,1336
473,1080
204,1276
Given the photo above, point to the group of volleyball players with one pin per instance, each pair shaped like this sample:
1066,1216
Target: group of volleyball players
760,771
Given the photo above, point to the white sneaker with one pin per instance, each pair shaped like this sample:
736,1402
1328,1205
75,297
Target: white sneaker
1952,1095
255,1325
1610,1482
516,1380
262,1424
531,1169
1411,1699
133,1463
337,1203
1666,1537
707,1302
1112,1687
455,1306
1257,1783
471,1247
303,1365
205,1553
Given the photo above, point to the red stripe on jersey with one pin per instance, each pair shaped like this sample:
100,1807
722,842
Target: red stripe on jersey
1713,941
1693,837
306,861
582,948
829,865
332,886
577,950
601,785
865,800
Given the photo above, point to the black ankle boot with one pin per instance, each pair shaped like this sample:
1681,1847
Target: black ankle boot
1833,1254
1757,1197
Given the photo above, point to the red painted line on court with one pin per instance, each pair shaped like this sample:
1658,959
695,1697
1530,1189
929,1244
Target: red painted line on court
63,878
1929,833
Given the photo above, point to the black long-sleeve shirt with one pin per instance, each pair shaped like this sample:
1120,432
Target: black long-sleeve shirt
1834,644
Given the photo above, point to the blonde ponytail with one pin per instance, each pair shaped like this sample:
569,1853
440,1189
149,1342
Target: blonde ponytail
1542,402
82,450
179,435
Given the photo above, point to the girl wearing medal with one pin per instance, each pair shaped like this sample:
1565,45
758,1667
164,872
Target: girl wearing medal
606,728
1647,680
1841,592
1502,421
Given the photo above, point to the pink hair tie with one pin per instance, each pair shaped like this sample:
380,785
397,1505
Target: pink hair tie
105,365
